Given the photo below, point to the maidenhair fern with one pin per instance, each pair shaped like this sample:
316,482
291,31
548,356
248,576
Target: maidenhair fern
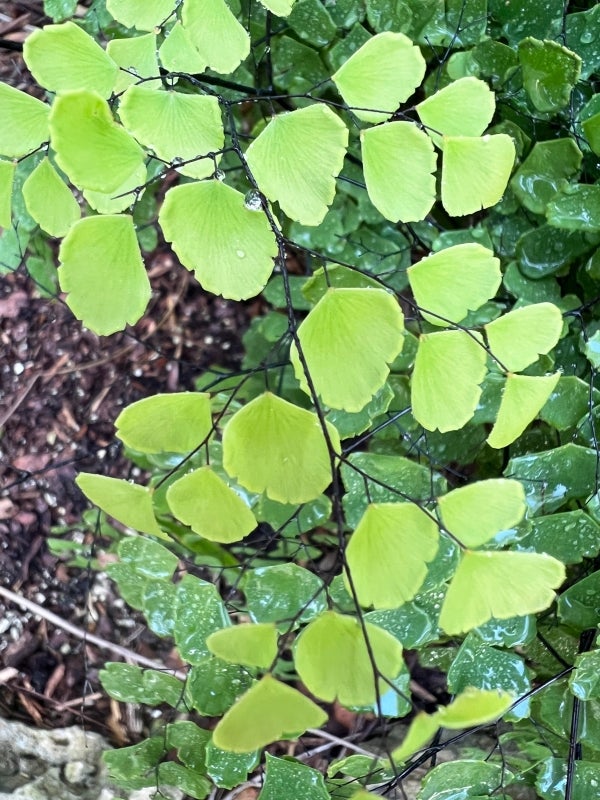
414,346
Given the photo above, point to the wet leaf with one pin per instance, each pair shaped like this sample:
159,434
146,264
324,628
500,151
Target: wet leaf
550,72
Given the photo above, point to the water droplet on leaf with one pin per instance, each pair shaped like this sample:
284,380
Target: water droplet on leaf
252,201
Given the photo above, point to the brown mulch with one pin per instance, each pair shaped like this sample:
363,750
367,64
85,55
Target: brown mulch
61,387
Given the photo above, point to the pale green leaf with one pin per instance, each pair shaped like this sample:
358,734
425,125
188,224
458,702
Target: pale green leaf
221,40
136,55
296,159
477,512
388,553
127,502
7,175
171,423
49,200
446,383
28,122
251,644
522,400
175,126
178,54
230,247
333,641
501,585
267,712
474,707
281,8
144,15
103,274
475,172
64,57
380,75
121,198
454,281
95,152
202,500
348,340
519,337
420,732
273,446
463,108
398,162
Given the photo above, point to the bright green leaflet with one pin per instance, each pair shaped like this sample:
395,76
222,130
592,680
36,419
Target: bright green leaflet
229,247
477,512
475,171
120,198
281,8
519,337
273,446
330,643
501,585
28,122
454,281
398,162
296,159
138,59
144,15
380,75
250,644
175,126
522,399
128,503
267,712
64,57
421,731
289,778
178,54
171,423
388,553
348,340
448,371
90,147
550,72
7,174
103,274
215,33
463,108
474,707
202,500
49,200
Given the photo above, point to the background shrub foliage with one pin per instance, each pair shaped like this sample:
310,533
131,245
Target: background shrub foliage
408,458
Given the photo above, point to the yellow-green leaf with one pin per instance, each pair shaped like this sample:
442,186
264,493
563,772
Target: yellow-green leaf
212,509
463,108
522,399
348,340
136,55
519,337
267,712
273,446
28,126
178,54
388,553
144,15
7,176
251,644
223,43
127,502
398,163
380,75
49,200
296,159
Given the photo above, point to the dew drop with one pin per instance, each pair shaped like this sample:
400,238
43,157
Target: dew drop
252,201
240,254
586,37
219,175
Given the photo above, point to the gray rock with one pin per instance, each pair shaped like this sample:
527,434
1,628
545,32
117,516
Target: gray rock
61,764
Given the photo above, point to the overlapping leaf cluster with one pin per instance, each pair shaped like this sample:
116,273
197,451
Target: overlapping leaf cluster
417,410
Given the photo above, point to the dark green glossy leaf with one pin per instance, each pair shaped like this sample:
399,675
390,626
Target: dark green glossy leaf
494,60
150,559
477,664
526,19
508,632
293,520
213,686
297,68
581,36
570,537
585,679
286,777
135,767
550,72
229,769
344,48
131,584
190,742
409,624
552,779
60,10
192,784
352,424
529,290
200,611
312,22
579,606
158,602
553,477
459,780
389,479
547,250
131,684
545,172
576,209
286,593
568,403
